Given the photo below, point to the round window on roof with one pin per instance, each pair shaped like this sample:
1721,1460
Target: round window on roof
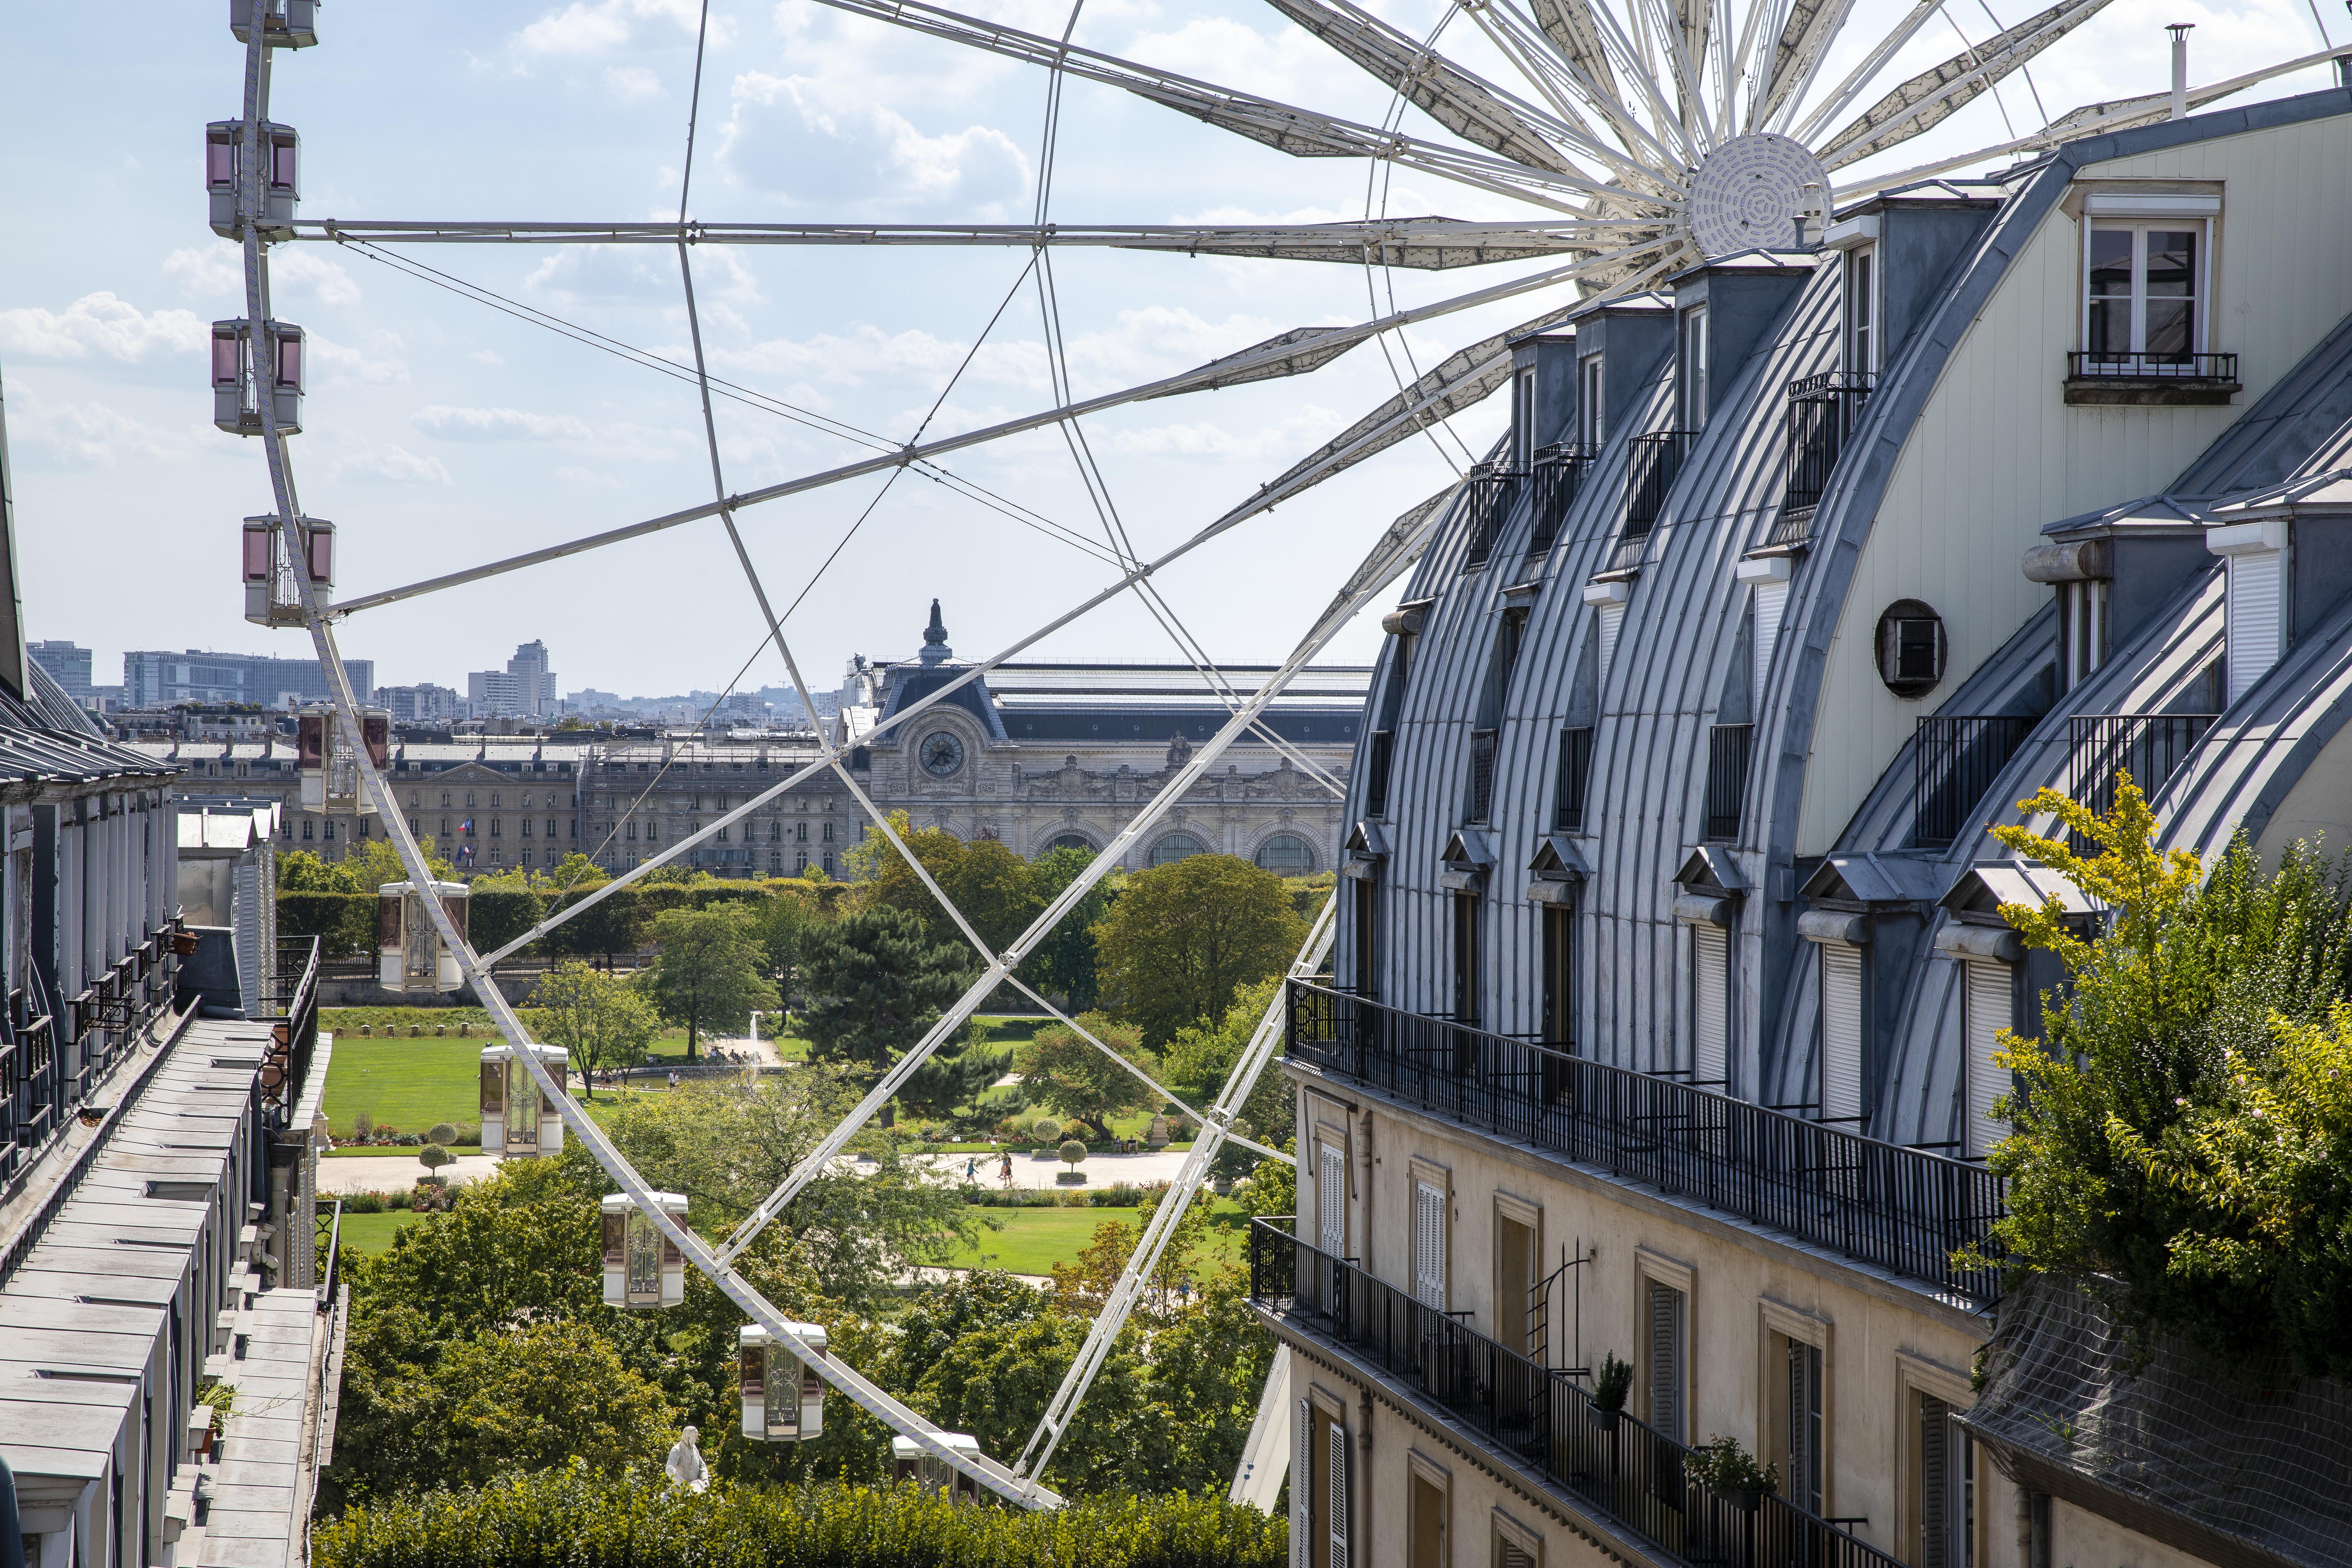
1176,847
1911,648
1287,855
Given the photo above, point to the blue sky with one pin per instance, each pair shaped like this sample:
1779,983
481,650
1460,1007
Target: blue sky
440,433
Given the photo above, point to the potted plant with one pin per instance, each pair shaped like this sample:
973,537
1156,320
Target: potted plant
1609,1391
1071,1152
1733,1471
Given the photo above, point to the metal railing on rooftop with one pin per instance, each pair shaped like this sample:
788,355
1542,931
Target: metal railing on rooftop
1954,760
1606,1460
1482,774
1901,1209
291,1005
1487,496
2142,364
1823,413
2148,746
1559,476
1649,471
1727,749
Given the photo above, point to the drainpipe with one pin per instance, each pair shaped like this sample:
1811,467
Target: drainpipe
2179,31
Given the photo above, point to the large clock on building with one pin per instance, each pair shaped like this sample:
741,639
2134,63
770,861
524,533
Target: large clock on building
941,753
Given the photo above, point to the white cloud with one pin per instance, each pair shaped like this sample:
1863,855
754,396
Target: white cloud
217,272
100,323
822,140
500,425
486,356
395,465
88,434
381,363
631,83
1308,428
589,478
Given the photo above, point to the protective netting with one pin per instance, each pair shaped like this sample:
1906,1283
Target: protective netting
2162,1437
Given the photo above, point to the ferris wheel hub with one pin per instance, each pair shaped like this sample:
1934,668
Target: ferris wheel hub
1750,192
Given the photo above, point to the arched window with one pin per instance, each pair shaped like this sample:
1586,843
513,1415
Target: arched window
1070,841
1176,847
1287,855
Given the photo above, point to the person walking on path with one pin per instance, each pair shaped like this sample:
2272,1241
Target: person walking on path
673,1080
971,1165
1005,1171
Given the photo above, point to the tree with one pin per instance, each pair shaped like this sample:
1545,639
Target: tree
1203,1057
1060,1069
955,1076
782,920
2175,1126
875,982
604,1020
709,972
367,868
1183,937
1063,963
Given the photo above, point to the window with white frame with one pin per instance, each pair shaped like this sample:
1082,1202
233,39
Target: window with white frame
2143,297
1523,419
2082,624
1694,368
1592,418
1429,1244
1861,308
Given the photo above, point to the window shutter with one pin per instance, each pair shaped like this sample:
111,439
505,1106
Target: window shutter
1771,604
2251,619
1935,1483
1667,1361
1710,978
1302,1487
1611,621
1986,1013
1429,1245
1804,1487
1338,1496
1331,1201
1510,1554
1841,1032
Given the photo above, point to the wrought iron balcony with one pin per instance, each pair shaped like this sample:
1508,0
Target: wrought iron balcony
2148,746
1901,1209
2150,376
1954,759
1650,473
1823,413
293,1005
1728,748
1377,758
1559,476
29,1086
1569,788
1487,496
1482,774
1605,1461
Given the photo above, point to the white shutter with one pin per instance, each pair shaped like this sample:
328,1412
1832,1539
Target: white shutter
2253,617
1841,1032
1611,621
1985,1013
1666,1359
1710,978
1331,1200
1302,1487
1429,1245
1338,1496
1771,604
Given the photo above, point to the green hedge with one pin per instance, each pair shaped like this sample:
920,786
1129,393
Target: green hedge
618,923
575,1519
346,922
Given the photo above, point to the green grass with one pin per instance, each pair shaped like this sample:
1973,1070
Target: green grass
410,1084
371,1233
1033,1240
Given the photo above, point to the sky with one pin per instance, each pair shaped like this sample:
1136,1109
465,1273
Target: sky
440,432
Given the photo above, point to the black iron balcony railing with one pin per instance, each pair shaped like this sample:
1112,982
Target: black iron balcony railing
1377,757
1482,774
2091,364
1487,496
1650,473
1901,1209
292,1004
1575,770
2148,746
1727,747
29,1087
1823,413
1954,760
1559,476
1605,1460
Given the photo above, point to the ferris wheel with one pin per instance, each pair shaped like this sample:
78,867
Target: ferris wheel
1639,137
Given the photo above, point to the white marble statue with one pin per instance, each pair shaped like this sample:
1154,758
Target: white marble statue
685,1467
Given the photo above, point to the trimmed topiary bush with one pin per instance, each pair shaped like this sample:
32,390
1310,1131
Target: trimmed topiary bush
442,1132
584,1521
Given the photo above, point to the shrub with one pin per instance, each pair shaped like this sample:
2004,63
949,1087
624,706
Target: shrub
588,1521
433,1157
362,1203
361,1125
1723,1465
1071,1152
470,1135
1047,1129
1610,1388
442,1132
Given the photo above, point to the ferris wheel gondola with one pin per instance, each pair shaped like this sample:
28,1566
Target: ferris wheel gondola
1639,140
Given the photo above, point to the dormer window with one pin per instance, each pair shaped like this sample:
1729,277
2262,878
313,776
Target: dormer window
2144,295
1591,419
1694,368
1523,419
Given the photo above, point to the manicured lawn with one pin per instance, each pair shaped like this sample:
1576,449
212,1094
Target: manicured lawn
411,1084
1033,1240
371,1233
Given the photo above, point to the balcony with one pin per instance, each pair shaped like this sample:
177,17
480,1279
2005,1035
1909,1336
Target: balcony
1487,496
2148,746
1376,772
1954,760
1823,413
291,1004
1559,477
2111,376
1728,748
1605,1462
1650,473
1900,1209
1569,788
1482,774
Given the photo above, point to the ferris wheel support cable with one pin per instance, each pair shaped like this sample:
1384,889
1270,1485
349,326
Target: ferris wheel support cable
1398,548
860,1390
1144,1261
1219,371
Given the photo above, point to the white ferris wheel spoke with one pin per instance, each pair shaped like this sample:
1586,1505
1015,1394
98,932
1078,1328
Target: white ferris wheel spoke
1857,80
1934,95
1801,45
1560,75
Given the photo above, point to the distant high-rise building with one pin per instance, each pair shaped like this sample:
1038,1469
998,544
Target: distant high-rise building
524,690
425,704
69,665
159,678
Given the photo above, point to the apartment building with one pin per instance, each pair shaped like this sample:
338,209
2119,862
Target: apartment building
1660,1022
161,677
